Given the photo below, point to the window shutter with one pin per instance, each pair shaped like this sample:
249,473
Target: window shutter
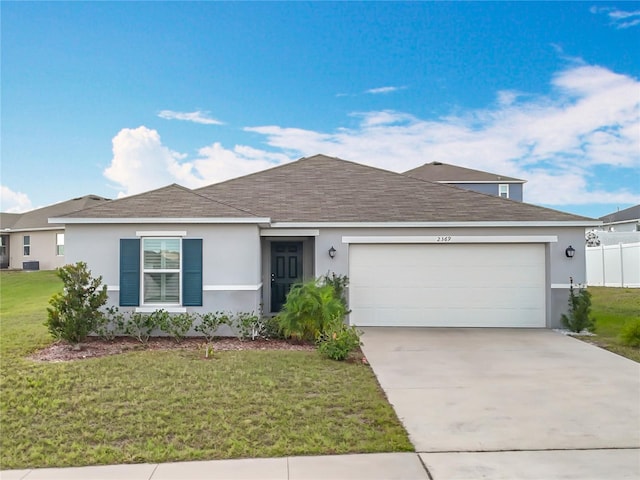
129,272
192,272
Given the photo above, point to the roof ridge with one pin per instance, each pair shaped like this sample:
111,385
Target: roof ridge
122,198
459,167
282,165
171,185
210,199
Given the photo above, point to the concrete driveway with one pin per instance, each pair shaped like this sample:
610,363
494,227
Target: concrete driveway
535,396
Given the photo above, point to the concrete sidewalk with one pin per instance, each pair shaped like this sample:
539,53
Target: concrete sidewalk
373,466
620,464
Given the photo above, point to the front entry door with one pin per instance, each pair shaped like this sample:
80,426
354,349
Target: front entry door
286,269
4,251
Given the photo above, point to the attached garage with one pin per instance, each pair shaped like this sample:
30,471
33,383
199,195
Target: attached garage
447,284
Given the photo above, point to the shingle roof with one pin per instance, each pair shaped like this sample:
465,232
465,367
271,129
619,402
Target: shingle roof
8,219
443,172
172,201
631,213
39,218
325,189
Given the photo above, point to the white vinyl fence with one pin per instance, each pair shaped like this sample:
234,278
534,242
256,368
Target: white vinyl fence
614,265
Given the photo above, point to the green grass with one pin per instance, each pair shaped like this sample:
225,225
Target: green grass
612,308
157,406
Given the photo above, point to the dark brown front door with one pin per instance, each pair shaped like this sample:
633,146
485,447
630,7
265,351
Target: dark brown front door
286,269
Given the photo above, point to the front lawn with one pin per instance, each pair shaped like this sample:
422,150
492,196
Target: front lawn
157,406
612,308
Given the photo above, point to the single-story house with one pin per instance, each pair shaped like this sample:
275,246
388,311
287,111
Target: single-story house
417,253
28,241
470,179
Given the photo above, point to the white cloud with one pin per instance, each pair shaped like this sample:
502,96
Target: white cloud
590,120
382,90
195,117
141,162
619,18
13,202
216,163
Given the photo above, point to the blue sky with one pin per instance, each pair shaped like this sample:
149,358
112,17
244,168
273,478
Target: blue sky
118,98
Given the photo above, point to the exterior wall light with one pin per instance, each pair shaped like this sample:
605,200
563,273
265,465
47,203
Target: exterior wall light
570,251
332,252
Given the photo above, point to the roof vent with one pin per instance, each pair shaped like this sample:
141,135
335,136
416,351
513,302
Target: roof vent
436,163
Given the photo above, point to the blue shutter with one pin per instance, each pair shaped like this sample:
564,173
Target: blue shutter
192,272
129,272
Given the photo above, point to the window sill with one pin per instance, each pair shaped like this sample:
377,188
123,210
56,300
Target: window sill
161,307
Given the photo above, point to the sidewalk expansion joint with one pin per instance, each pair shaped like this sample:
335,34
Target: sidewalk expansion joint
424,466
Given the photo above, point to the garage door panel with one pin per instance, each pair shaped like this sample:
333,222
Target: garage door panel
443,298
454,318
447,285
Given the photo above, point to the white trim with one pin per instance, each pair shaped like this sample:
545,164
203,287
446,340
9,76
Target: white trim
38,229
447,239
581,223
113,288
144,271
151,309
216,220
161,233
480,181
211,288
288,232
621,222
568,285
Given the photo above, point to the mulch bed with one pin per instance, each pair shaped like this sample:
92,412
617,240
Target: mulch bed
96,347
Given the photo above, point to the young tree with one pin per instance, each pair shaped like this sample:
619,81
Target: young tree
75,312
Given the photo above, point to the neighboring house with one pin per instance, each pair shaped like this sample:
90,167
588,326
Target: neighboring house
469,179
627,220
613,250
416,253
28,241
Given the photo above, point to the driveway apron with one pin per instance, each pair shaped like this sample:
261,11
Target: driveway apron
476,390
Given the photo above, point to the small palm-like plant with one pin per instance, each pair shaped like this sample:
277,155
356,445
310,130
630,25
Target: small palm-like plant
309,309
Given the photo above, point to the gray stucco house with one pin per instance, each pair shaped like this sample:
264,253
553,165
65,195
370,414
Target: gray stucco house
417,253
28,240
627,220
470,179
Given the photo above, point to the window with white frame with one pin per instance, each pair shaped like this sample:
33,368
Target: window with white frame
59,244
161,270
503,190
26,245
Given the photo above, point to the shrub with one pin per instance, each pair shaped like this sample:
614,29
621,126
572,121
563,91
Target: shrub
110,324
75,312
141,325
210,322
249,326
339,284
309,308
579,315
176,326
630,333
271,328
338,340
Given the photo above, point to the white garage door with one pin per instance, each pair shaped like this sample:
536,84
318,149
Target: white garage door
453,285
